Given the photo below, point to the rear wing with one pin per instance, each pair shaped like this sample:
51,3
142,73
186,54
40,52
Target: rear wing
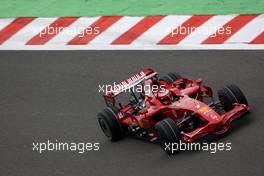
129,83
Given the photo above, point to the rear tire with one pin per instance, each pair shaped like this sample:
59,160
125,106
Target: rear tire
110,125
231,94
168,133
171,77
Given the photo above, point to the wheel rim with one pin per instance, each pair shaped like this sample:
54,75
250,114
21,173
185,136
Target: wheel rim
105,127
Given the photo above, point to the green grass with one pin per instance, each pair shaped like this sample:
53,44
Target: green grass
48,8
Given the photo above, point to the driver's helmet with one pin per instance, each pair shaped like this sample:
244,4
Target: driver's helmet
165,96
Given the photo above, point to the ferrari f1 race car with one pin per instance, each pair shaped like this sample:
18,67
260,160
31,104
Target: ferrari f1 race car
170,109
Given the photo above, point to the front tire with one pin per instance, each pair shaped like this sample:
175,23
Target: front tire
110,125
168,133
231,94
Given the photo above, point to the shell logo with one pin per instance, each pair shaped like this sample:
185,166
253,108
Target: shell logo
203,109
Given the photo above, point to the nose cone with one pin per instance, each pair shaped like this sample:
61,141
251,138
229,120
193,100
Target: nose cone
200,108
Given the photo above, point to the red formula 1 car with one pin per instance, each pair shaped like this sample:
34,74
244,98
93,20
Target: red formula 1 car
169,109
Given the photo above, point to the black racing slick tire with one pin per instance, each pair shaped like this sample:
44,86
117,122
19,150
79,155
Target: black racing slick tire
110,125
231,94
168,134
171,77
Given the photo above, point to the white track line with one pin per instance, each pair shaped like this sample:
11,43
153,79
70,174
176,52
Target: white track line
65,36
137,47
160,30
117,29
248,32
206,29
29,31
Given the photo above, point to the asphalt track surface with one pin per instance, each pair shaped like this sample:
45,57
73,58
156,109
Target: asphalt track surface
54,95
